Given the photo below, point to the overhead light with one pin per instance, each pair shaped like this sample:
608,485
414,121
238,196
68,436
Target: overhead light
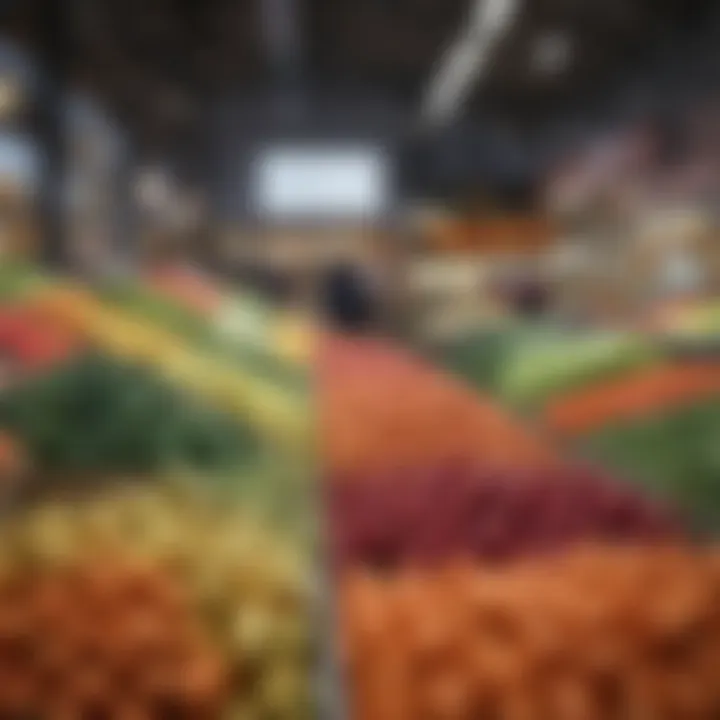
551,53
467,58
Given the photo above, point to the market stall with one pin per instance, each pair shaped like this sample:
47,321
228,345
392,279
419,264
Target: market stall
159,541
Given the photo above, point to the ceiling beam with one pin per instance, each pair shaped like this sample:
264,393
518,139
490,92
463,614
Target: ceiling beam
282,35
467,58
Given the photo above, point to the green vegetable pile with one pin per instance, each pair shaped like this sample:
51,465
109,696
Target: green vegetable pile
528,365
101,414
676,454
149,305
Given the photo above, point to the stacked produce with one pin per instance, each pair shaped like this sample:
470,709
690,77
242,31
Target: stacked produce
234,582
100,414
189,287
698,320
240,320
445,512
216,379
479,577
161,474
658,427
529,366
597,633
674,452
635,395
105,639
382,409
29,344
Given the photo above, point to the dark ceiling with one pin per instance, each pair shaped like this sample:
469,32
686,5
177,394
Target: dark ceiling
157,63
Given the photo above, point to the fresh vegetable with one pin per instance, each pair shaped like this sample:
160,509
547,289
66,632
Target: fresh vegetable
253,356
433,515
380,408
598,633
249,586
634,396
527,365
188,287
548,368
675,453
100,414
279,414
17,279
482,356
31,343
108,638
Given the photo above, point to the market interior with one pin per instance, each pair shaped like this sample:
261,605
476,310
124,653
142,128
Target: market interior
360,360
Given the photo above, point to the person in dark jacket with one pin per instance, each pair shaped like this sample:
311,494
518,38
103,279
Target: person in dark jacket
347,299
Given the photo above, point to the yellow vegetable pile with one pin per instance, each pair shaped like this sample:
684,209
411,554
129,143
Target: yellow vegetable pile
130,338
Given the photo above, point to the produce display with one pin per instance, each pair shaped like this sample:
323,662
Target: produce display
158,556
240,589
28,344
551,367
239,319
479,575
694,320
636,395
527,366
157,553
380,408
674,453
105,639
99,414
447,512
597,633
218,380
236,332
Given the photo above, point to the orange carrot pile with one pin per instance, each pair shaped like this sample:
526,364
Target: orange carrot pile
637,395
103,640
382,409
598,634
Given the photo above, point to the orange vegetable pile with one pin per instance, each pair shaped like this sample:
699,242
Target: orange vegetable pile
106,640
595,634
637,395
382,409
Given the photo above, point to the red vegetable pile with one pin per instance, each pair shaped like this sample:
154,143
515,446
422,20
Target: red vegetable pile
455,511
33,343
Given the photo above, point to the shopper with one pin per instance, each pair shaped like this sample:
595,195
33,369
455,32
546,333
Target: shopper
347,299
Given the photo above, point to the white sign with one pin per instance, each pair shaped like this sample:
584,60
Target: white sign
338,183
